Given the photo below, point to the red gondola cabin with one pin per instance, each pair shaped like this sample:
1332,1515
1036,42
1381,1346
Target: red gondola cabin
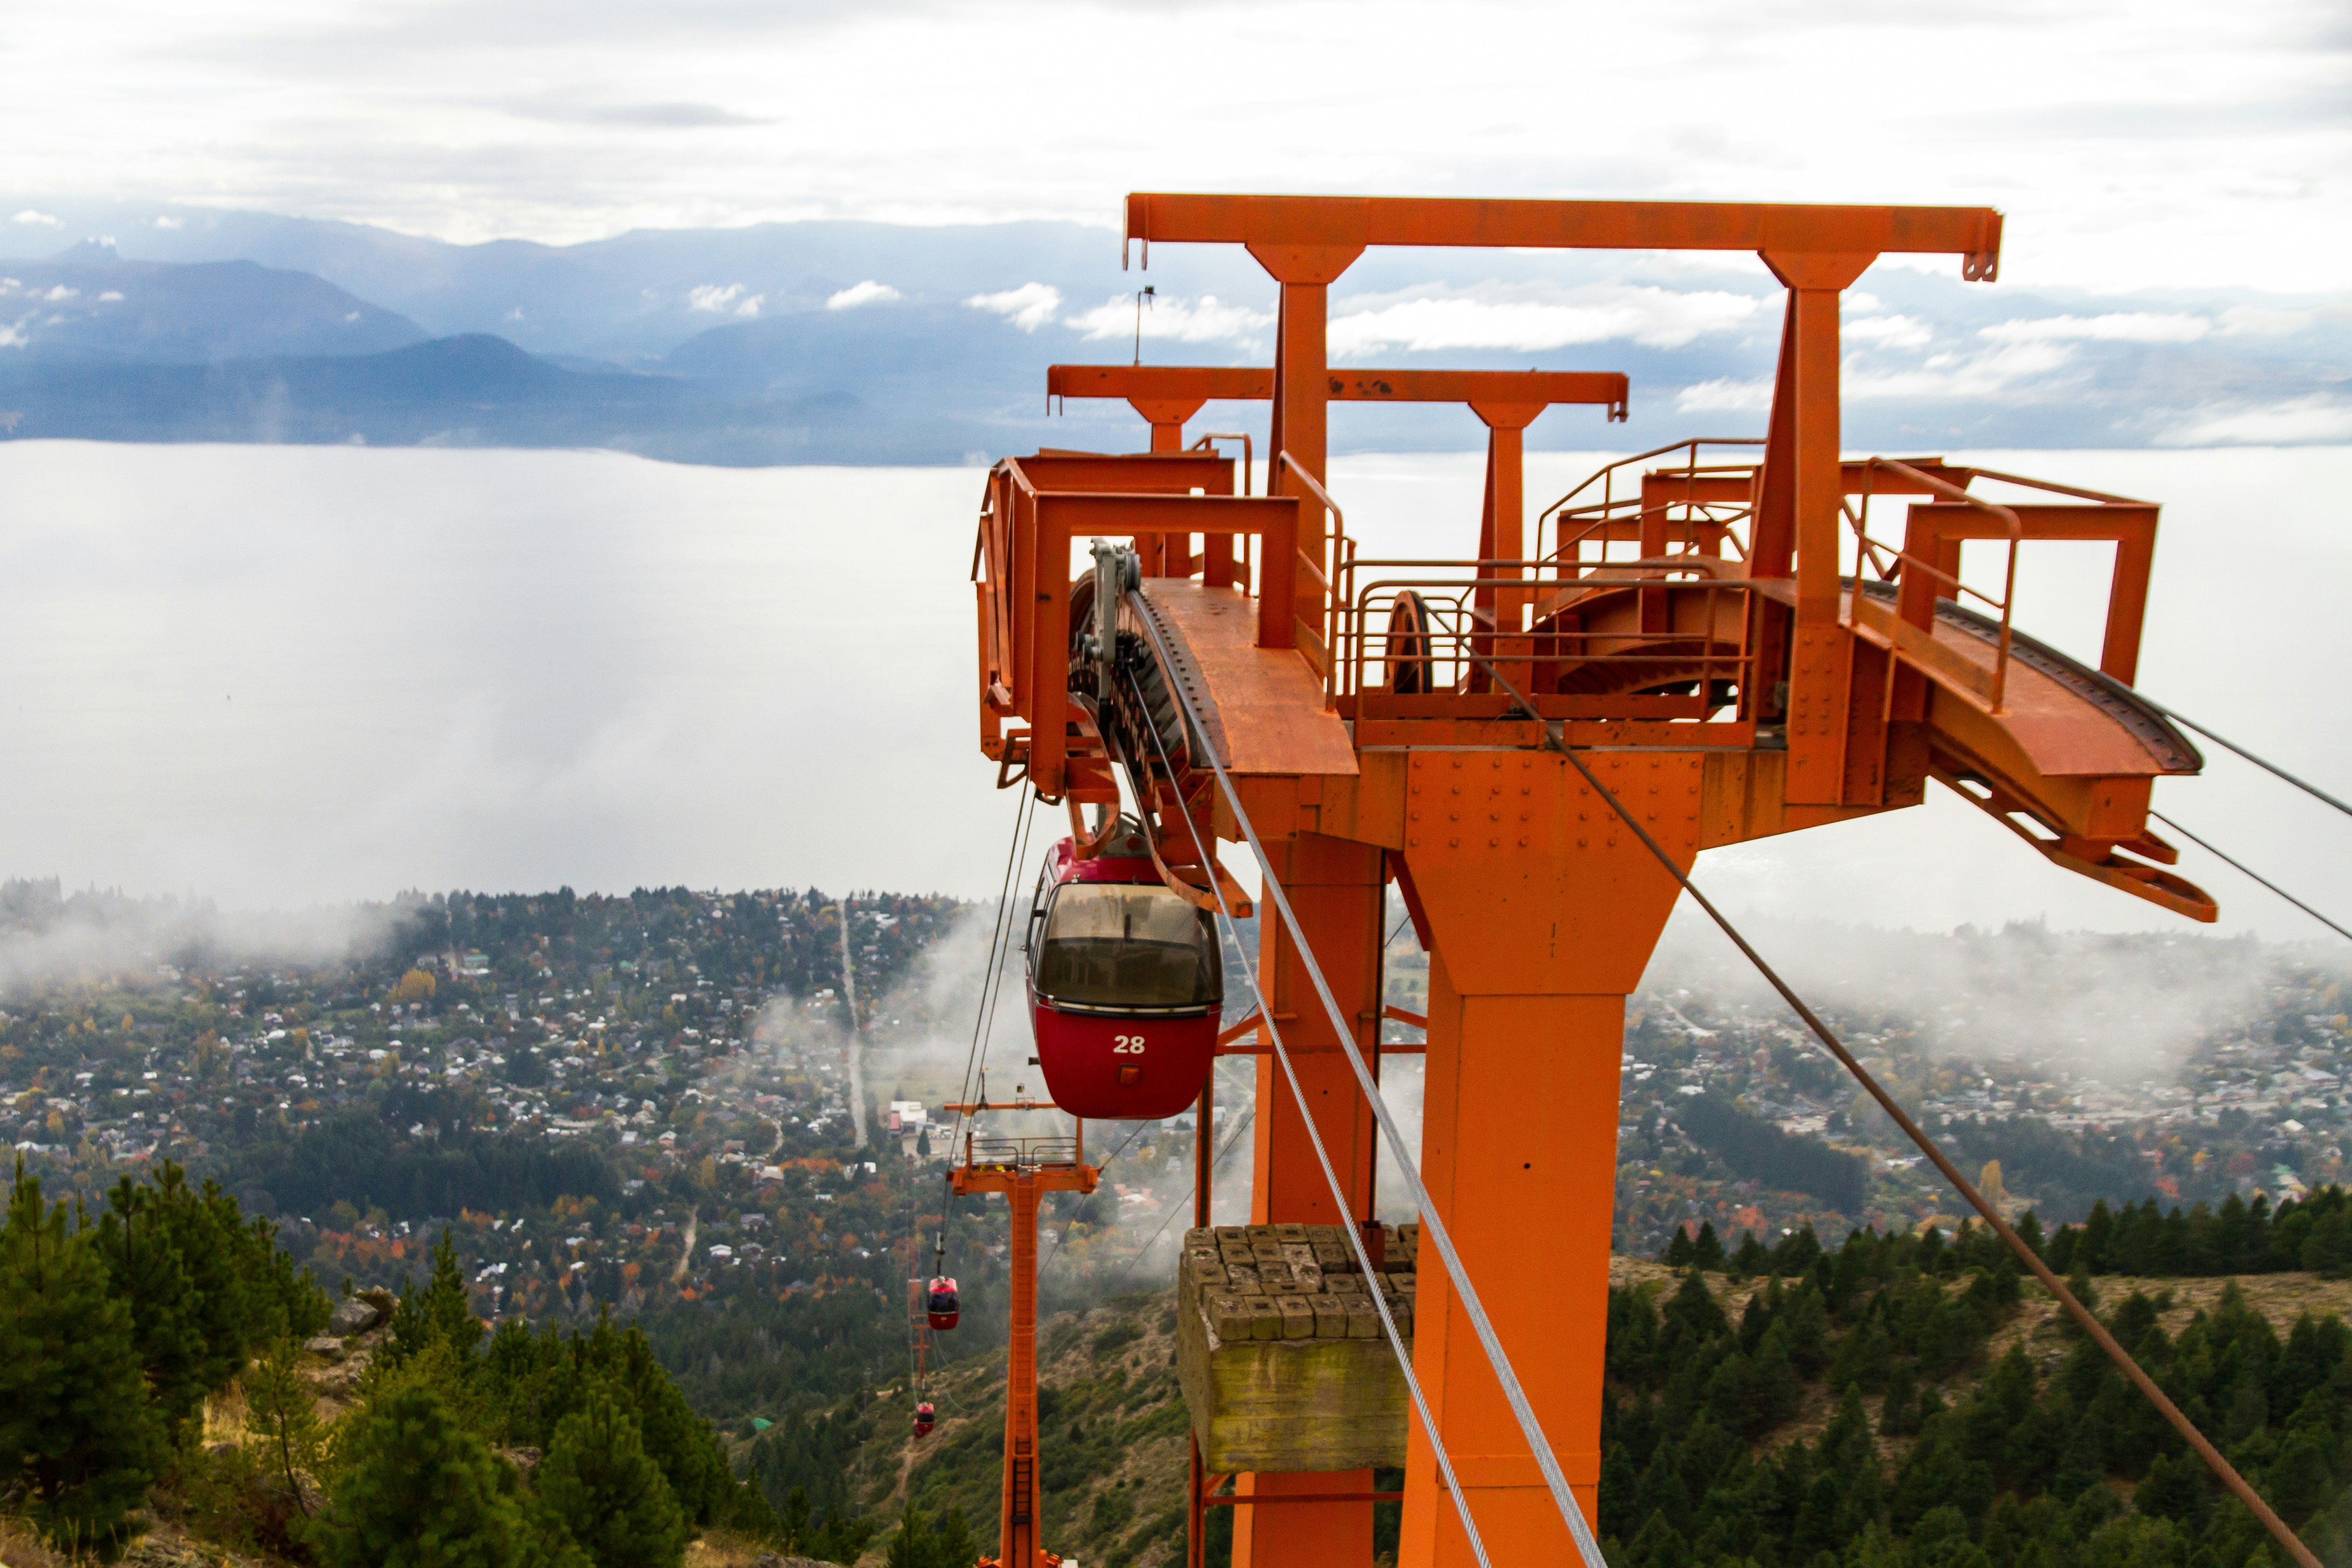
940,1302
924,1419
1126,986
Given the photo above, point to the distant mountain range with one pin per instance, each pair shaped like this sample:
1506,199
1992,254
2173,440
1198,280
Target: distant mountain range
841,342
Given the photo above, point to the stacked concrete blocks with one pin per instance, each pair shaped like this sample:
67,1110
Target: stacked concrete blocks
1279,1348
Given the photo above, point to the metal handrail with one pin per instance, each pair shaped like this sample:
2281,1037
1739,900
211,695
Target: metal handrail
1357,638
1343,554
1610,508
2009,580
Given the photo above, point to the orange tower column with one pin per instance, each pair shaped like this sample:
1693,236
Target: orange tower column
1336,887
1017,1544
1544,910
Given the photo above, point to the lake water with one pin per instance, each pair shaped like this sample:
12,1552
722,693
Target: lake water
284,674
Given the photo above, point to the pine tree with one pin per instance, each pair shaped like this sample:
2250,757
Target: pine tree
955,1546
142,1258
2328,1249
81,1438
419,1490
436,1315
278,1410
678,1440
1706,1252
607,1492
911,1547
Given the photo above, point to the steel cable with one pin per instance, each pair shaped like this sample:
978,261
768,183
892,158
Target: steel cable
2264,763
2246,870
1434,1227
984,1016
2222,1468
1064,1234
1241,1125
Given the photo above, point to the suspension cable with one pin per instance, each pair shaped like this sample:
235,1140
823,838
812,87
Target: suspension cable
1434,1227
2246,870
1241,1125
2222,1468
2264,763
1064,1234
984,1021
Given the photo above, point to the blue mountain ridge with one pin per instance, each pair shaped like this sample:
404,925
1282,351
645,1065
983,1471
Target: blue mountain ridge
734,346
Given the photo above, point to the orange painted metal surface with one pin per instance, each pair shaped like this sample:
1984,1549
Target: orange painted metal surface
1733,642
1024,1170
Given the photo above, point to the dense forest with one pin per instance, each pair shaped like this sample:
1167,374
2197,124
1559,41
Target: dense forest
126,1342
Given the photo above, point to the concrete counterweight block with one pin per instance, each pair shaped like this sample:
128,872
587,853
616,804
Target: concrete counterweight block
1279,1349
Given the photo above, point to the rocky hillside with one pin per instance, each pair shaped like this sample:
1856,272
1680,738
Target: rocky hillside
1112,1439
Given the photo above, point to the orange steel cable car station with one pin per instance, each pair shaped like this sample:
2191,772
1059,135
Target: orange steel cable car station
1686,626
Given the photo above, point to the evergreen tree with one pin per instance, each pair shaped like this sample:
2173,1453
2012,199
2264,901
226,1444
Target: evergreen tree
1706,1252
135,1236
420,1490
607,1493
911,1547
957,1546
279,1411
2328,1249
436,1315
81,1440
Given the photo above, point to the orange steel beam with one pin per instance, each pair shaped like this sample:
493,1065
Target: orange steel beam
1289,223
1192,386
1025,1185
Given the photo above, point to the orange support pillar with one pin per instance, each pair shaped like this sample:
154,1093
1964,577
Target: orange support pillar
1820,655
1502,540
1544,910
1166,555
1300,426
1336,889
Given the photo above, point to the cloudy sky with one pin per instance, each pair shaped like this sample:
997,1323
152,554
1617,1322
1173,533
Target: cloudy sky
2134,143
289,676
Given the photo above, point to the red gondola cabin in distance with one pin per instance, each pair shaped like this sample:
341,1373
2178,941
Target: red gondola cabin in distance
1126,984
940,1302
924,1419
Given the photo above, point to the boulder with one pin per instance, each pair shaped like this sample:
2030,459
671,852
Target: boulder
326,1344
376,1296
353,1316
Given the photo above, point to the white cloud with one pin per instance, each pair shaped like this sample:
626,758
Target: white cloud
9,337
1204,320
1862,303
1029,306
866,293
2119,327
48,219
2260,321
730,300
109,296
1726,395
2296,421
167,222
61,292
1490,317
1992,373
1889,332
